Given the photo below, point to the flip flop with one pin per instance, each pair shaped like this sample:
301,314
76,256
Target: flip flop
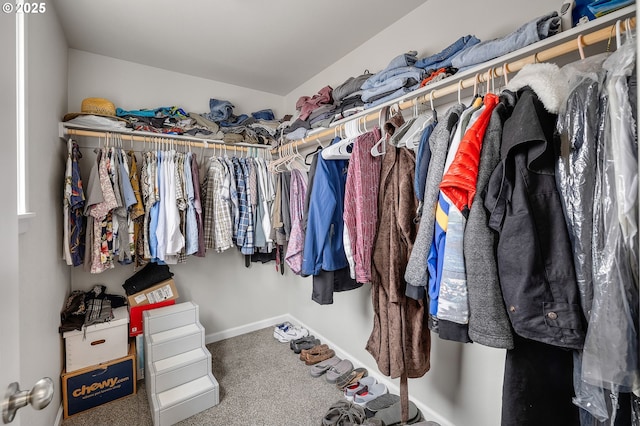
338,370
392,415
322,367
351,377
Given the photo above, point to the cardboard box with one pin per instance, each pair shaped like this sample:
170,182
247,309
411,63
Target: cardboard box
165,290
96,385
97,343
135,316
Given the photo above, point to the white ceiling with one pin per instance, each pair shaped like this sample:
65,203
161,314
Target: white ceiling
271,46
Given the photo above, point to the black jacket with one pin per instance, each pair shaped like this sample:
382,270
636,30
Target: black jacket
535,262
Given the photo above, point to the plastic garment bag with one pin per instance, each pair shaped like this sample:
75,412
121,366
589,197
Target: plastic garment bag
610,356
578,128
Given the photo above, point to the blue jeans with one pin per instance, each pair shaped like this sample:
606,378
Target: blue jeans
535,30
443,58
382,78
220,110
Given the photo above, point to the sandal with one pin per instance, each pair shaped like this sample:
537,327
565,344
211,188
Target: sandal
350,378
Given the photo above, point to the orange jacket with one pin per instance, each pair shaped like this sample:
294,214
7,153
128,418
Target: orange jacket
459,182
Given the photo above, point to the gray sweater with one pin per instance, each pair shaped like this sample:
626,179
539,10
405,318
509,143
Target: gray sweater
489,323
416,273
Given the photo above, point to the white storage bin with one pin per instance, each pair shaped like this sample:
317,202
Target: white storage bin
98,343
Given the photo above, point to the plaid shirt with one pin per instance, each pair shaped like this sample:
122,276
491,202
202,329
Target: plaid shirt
243,205
248,246
217,216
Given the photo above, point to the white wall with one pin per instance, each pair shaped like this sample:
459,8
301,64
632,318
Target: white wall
44,277
132,86
464,386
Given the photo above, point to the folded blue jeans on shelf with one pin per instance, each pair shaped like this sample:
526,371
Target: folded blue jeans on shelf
534,30
381,78
443,58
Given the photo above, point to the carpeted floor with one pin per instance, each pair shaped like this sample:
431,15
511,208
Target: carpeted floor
262,383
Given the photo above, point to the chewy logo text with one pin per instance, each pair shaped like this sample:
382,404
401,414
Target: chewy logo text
86,390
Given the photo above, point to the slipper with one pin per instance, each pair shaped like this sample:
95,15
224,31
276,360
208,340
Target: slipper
312,351
338,370
299,347
351,377
381,402
369,393
354,388
322,367
392,415
322,356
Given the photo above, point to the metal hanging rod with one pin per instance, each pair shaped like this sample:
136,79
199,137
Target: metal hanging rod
576,43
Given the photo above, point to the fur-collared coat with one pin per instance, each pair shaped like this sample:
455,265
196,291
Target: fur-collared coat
400,341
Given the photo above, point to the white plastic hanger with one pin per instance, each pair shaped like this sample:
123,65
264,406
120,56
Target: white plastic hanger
340,150
380,147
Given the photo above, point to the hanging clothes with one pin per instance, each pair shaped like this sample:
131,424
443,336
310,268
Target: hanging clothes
400,341
534,257
488,321
324,246
361,203
416,274
73,206
297,196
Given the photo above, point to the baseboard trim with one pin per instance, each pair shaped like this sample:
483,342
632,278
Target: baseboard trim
244,329
58,421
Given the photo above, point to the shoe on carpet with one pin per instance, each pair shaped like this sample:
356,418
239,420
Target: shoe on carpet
313,350
286,332
381,402
351,377
335,371
369,393
320,368
354,388
392,415
313,359
303,343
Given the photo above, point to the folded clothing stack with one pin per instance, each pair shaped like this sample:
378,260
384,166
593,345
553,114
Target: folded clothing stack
399,77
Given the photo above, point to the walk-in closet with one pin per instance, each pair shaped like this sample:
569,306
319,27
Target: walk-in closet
429,205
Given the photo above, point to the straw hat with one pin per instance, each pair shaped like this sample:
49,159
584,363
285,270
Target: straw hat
95,106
